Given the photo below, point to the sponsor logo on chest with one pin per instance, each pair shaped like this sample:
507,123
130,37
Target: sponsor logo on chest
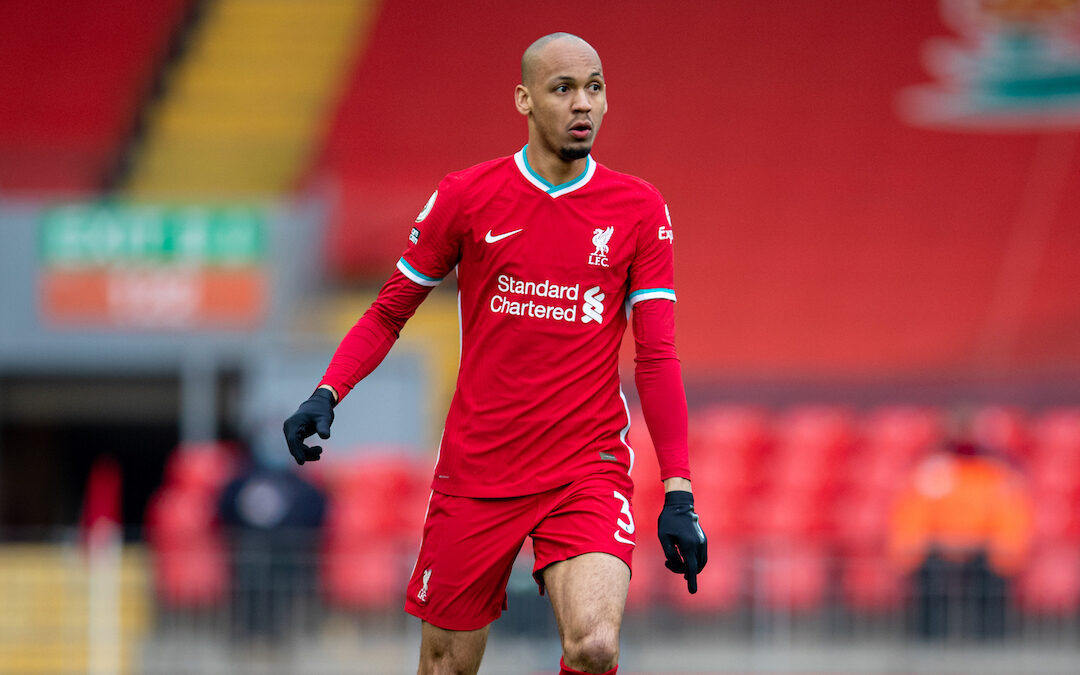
570,303
540,300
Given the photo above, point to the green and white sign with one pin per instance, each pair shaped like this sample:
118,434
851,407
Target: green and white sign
110,234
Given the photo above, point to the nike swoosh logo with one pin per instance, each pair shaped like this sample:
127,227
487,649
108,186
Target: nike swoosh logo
623,540
492,238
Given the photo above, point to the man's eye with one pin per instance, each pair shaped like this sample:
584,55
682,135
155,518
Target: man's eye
562,89
595,86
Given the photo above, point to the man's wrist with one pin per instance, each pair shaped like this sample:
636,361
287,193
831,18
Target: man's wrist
677,483
331,390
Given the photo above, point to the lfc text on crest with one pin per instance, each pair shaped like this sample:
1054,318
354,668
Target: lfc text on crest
600,240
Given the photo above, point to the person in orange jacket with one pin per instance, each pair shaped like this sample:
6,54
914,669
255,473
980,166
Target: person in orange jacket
961,528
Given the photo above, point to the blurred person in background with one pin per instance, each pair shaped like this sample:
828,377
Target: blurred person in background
272,519
961,528
550,250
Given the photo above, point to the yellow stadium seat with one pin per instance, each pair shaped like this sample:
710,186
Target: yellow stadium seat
243,110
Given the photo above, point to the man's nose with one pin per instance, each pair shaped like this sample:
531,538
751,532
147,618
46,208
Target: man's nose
581,101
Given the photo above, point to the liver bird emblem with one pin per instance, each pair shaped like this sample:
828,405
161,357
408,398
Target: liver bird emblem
600,239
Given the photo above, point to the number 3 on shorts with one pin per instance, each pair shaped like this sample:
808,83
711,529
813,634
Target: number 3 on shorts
627,525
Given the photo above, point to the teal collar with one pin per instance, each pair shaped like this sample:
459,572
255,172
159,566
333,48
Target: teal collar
539,181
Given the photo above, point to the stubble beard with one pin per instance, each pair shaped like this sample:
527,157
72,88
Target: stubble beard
571,153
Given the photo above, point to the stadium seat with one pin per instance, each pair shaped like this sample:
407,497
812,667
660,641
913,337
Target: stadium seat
1052,472
363,577
859,521
380,492
1054,460
720,584
1057,431
78,71
810,443
906,432
874,469
1050,584
201,466
189,557
792,469
1002,430
727,443
374,526
786,514
1056,519
792,576
815,429
869,583
722,513
248,102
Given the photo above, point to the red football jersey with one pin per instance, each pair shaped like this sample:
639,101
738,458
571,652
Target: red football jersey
546,278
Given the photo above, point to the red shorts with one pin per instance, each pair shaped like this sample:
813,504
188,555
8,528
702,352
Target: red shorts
469,545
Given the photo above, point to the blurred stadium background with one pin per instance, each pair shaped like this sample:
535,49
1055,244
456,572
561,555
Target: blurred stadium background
878,216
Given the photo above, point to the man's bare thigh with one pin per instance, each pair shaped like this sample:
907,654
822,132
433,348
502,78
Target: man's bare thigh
587,591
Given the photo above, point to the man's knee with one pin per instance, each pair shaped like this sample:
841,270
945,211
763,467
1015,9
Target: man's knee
448,662
596,651
445,664
444,652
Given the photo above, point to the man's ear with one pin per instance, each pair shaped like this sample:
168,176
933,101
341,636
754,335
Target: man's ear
522,101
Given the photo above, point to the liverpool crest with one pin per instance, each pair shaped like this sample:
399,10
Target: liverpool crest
600,239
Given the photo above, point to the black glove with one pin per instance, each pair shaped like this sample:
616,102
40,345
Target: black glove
314,415
684,543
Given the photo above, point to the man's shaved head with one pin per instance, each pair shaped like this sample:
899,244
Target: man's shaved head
530,58
563,94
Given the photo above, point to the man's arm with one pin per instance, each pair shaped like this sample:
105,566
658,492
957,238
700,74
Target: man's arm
361,350
369,341
658,377
434,249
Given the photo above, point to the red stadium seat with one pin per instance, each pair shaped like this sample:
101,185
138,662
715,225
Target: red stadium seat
1002,430
368,577
76,72
792,576
723,514
726,444
870,583
379,492
904,431
873,469
786,514
1054,461
791,469
720,584
825,431
1056,518
811,442
1058,431
1050,584
189,558
860,521
374,526
201,466
1054,473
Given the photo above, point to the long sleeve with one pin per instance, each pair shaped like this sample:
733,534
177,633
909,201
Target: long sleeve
658,377
367,343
